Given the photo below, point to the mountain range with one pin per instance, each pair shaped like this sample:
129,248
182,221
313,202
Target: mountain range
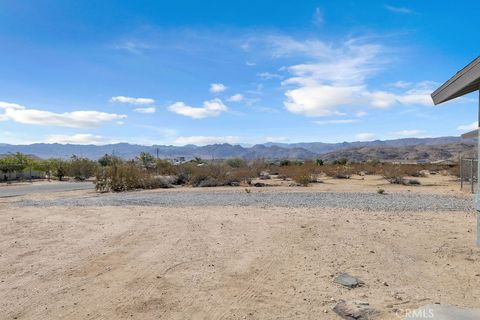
422,149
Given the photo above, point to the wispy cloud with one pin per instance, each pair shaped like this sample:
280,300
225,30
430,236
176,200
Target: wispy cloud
74,119
417,133
276,139
268,76
132,46
401,84
236,98
204,140
339,78
130,100
400,10
337,121
211,108
317,18
81,138
148,110
364,136
217,87
361,114
468,127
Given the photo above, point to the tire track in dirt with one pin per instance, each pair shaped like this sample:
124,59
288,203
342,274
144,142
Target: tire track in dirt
254,285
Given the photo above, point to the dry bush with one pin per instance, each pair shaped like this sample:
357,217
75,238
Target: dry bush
339,171
128,176
213,175
301,174
165,167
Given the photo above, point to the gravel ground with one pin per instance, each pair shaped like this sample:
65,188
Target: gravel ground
363,201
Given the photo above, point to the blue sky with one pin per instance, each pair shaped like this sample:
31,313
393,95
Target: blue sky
179,72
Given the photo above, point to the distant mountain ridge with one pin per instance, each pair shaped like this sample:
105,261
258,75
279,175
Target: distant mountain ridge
409,148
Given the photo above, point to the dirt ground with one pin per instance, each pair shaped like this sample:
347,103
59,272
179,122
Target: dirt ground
231,262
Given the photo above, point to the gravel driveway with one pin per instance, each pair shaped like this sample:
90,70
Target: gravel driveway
365,201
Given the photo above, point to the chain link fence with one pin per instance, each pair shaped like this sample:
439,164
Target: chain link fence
468,174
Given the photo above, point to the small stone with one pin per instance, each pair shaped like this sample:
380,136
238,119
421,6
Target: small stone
347,280
359,310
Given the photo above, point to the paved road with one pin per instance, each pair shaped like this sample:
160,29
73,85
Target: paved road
54,186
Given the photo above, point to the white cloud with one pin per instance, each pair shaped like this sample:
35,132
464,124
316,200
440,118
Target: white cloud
236,98
81,138
74,119
364,136
361,114
211,108
336,77
130,100
401,84
338,121
468,127
317,17
410,133
419,95
319,100
204,140
268,75
276,139
401,10
217,87
250,63
7,105
147,110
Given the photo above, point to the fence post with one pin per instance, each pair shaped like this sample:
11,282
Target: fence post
471,176
461,173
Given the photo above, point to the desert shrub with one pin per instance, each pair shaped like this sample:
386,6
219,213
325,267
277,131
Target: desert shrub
381,191
80,168
165,167
108,160
301,174
342,161
235,162
59,168
319,162
128,176
214,174
339,171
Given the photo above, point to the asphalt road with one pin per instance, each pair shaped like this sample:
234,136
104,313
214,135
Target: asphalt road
54,186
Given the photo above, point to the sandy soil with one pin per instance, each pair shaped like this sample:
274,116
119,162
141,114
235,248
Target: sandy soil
229,262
